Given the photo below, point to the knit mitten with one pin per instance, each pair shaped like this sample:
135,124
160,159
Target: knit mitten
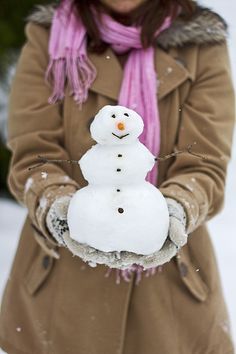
57,224
177,227
56,219
177,238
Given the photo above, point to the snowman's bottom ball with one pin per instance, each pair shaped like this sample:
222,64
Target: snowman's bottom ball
126,218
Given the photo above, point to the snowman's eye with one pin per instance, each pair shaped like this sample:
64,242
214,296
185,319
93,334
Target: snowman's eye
126,114
113,116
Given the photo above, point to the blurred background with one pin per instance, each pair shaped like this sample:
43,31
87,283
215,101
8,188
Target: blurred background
12,19
12,16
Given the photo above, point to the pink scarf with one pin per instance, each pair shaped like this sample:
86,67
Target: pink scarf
68,60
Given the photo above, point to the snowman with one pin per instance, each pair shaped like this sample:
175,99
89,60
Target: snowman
118,211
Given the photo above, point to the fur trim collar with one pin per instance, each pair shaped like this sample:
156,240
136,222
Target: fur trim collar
205,27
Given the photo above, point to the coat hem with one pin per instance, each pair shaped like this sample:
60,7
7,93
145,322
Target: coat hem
6,346
10,349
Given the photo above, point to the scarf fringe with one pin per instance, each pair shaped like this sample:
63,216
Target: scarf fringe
56,74
78,70
126,274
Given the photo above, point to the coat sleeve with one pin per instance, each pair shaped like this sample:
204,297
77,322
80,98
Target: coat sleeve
207,119
35,128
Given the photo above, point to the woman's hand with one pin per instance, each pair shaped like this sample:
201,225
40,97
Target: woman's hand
56,219
57,224
177,227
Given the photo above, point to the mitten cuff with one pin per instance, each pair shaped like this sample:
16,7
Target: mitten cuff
40,192
176,210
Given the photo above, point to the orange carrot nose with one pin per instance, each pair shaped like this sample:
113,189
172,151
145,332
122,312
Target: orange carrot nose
121,126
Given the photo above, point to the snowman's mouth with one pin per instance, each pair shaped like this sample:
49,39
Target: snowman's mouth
121,136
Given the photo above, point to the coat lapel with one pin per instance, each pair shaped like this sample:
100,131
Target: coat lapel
170,72
110,73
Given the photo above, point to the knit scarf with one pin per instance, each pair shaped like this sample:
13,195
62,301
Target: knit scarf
69,61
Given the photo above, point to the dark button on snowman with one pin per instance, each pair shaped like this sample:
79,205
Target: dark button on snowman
118,210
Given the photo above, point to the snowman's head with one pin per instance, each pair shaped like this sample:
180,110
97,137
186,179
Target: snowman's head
114,125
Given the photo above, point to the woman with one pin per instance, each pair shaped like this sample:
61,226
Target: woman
56,303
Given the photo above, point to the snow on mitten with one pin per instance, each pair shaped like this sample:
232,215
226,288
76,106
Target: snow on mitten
47,198
56,218
125,260
177,227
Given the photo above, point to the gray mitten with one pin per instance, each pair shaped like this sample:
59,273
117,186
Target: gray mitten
123,259
57,224
177,237
56,219
177,227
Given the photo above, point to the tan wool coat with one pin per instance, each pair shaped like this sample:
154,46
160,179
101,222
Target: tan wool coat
55,303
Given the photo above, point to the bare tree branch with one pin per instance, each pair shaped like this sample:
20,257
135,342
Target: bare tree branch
188,150
43,160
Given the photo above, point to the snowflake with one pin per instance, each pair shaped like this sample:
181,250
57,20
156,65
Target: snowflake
44,175
28,184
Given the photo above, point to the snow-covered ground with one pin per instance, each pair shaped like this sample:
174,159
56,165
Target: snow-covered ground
222,227
12,217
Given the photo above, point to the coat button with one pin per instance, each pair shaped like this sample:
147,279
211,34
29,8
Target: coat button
46,262
183,269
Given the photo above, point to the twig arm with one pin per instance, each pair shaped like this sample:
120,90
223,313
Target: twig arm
43,160
188,150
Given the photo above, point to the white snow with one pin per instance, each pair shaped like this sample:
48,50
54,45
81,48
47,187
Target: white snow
44,175
135,219
66,178
115,125
43,203
28,184
12,217
116,164
222,227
